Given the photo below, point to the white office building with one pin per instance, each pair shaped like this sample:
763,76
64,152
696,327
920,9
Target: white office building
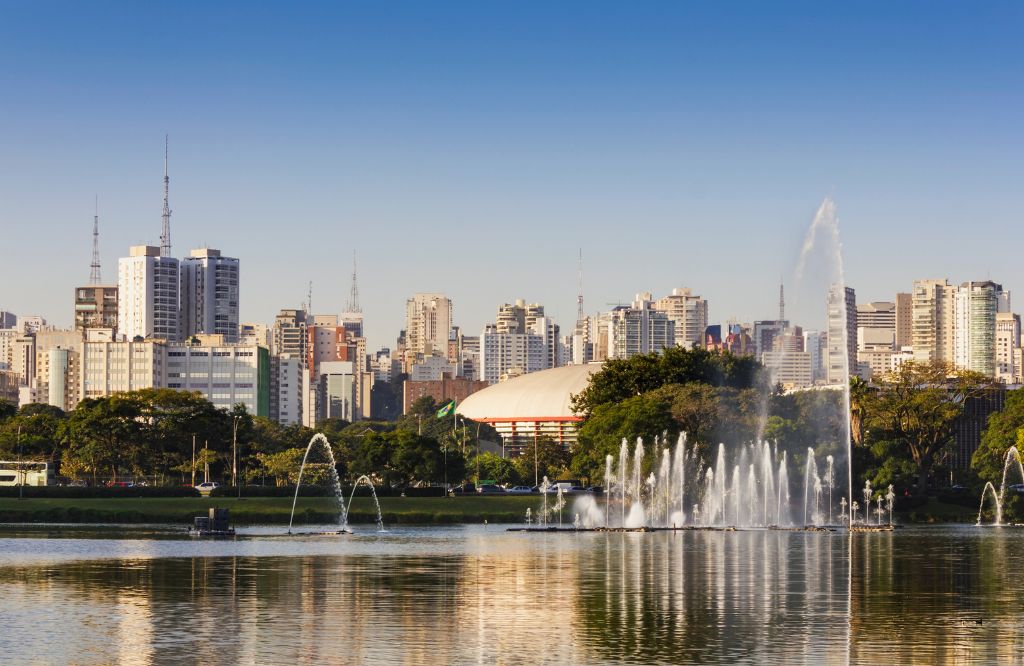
148,304
209,295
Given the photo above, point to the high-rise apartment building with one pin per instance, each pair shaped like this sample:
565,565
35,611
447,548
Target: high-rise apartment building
904,320
510,354
96,307
876,326
639,329
286,382
428,323
1007,341
209,295
933,303
288,334
517,317
254,333
147,285
841,361
974,333
690,314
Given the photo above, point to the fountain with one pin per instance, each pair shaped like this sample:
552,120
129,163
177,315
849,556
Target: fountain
1012,454
747,485
752,490
373,491
343,508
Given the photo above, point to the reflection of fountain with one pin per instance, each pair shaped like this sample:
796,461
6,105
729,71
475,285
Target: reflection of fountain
999,498
343,508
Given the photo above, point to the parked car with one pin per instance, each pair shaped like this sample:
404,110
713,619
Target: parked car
520,490
207,487
463,489
1017,488
597,490
491,489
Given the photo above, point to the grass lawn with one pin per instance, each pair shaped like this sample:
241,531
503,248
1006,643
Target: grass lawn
264,510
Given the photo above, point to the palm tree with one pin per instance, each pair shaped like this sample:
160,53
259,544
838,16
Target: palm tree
859,391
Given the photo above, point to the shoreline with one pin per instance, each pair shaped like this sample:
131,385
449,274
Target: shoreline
322,510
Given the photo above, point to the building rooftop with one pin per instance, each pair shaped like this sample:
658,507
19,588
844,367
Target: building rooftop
535,396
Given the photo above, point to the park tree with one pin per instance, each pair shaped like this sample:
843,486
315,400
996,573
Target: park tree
36,430
917,408
1005,429
103,435
493,467
543,457
620,379
645,416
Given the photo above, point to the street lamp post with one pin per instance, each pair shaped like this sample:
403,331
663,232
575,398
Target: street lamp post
234,453
21,470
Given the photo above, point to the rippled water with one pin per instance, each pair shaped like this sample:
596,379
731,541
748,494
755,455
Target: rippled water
483,595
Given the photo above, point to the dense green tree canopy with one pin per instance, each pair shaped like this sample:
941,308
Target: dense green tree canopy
917,408
1005,429
619,379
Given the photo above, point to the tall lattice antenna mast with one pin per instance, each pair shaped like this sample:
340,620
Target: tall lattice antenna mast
580,316
782,302
309,299
353,297
94,267
165,234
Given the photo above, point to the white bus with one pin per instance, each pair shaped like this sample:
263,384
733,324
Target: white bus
25,473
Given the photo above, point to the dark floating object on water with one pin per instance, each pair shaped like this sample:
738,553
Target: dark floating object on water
217,524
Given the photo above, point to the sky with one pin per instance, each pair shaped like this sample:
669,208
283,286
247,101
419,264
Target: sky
477,148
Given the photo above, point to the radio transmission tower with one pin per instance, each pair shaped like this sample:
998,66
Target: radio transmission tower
579,289
165,234
94,268
353,297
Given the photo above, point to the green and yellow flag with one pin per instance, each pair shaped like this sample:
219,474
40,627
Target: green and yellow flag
446,409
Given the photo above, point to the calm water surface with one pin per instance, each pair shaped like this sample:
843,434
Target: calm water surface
483,595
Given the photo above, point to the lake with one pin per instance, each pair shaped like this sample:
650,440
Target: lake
481,594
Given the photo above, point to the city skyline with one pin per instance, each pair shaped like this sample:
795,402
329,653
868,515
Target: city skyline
504,155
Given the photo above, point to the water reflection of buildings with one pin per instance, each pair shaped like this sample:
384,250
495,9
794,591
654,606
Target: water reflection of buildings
490,596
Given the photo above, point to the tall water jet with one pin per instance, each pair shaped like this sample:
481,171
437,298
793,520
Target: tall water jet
824,231
607,486
811,484
830,481
319,438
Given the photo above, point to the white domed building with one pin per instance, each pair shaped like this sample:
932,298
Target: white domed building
531,406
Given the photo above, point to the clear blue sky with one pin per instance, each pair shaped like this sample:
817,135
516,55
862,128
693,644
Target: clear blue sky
472,148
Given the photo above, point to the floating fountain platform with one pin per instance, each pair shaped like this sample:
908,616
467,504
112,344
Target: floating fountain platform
215,525
872,528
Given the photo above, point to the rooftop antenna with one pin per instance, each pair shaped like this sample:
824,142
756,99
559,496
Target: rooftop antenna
165,234
94,267
309,299
580,315
782,302
353,297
